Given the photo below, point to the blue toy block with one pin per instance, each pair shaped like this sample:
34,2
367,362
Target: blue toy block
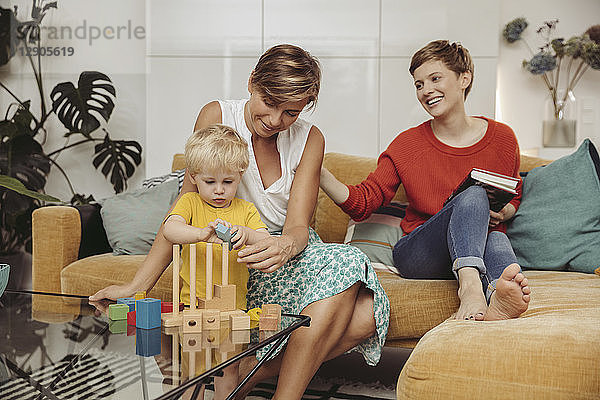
147,313
130,301
147,342
224,233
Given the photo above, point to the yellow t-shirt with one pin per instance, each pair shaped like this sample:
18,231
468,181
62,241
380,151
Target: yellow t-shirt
198,213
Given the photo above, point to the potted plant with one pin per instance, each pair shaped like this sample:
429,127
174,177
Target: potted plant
576,55
83,109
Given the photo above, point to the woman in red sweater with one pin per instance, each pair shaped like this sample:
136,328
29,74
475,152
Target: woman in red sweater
463,239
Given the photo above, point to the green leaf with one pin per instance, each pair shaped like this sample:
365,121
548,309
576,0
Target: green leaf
74,106
17,186
117,158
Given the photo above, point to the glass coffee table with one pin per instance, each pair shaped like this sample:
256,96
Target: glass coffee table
54,346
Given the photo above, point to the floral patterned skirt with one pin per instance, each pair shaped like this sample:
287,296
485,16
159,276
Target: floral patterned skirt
322,270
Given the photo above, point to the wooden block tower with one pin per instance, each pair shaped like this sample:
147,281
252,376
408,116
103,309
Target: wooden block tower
220,301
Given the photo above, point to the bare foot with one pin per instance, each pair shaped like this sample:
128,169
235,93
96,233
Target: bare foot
472,300
511,297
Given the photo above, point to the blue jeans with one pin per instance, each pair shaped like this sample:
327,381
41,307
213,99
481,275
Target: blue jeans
456,237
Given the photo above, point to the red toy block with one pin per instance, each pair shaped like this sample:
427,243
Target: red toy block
131,318
167,307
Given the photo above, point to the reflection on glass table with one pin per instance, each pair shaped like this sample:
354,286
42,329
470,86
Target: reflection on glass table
58,347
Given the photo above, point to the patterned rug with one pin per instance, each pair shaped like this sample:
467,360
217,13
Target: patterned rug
89,377
334,388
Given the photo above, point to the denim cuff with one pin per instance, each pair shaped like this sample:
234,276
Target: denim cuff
473,262
491,288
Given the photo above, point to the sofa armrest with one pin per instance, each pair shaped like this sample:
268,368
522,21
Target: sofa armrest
56,236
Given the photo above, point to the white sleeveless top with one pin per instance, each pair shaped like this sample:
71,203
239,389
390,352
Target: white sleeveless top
272,201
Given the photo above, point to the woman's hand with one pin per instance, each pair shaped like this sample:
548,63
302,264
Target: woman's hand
101,300
113,292
502,216
269,254
101,307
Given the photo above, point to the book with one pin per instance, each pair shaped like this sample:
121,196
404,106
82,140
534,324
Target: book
501,189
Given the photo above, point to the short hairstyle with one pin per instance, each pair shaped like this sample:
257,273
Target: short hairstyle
287,73
216,147
454,56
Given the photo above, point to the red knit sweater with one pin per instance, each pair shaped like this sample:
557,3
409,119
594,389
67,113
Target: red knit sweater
430,171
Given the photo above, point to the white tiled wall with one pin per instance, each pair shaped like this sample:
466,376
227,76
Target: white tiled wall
364,47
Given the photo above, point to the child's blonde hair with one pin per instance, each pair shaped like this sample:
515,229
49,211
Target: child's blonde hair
287,73
454,56
216,147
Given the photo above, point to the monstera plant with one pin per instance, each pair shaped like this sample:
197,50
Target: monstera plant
83,109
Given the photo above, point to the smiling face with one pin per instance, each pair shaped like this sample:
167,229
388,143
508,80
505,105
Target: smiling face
440,90
266,119
217,188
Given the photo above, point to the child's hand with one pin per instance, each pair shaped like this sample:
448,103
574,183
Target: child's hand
218,221
210,235
239,236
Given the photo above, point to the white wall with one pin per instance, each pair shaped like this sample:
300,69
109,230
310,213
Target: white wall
121,58
367,94
521,95
196,51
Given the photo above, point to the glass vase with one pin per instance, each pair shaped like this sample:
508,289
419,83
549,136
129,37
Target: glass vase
560,120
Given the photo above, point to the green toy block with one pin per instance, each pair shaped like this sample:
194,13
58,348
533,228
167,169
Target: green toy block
118,312
119,326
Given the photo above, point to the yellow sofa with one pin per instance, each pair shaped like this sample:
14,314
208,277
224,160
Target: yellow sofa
551,352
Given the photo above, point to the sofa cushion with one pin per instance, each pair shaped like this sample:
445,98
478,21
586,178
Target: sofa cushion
157,180
550,352
377,235
330,221
417,305
93,235
557,226
86,276
132,219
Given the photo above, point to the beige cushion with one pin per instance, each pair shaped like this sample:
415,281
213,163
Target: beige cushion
87,276
550,352
417,305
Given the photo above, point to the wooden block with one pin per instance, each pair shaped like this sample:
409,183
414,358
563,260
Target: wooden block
240,337
271,310
211,339
191,341
227,295
192,321
264,335
226,345
117,312
239,322
225,315
268,323
212,304
211,319
171,331
170,320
